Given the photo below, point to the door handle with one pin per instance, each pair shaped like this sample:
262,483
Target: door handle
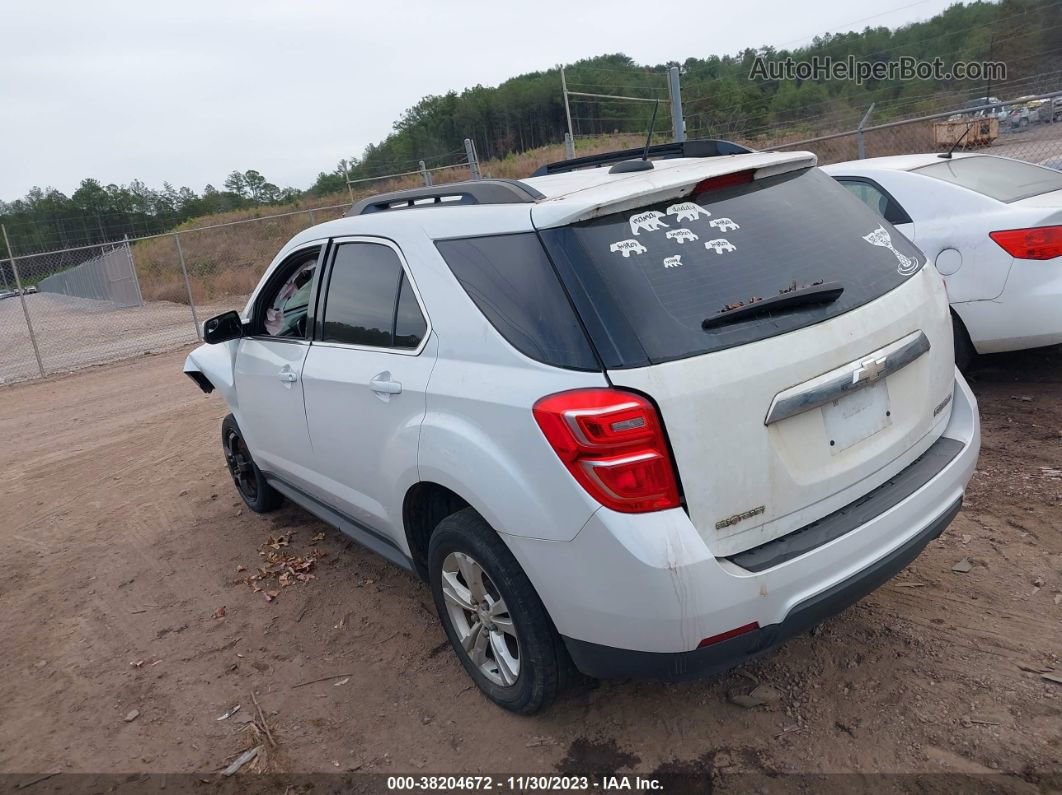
382,384
289,376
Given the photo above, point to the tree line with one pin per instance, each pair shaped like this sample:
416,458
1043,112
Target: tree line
719,99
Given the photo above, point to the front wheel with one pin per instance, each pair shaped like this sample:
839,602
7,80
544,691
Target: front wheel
494,620
250,483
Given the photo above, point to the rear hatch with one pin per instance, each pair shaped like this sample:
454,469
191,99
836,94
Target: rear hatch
787,413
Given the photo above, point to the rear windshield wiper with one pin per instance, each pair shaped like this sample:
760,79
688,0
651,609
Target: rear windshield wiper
802,296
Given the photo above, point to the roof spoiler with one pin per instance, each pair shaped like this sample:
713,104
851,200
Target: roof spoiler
702,147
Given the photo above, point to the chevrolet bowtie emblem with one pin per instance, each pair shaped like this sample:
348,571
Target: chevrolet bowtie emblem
869,370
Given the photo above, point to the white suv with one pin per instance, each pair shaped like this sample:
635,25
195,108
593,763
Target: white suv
649,418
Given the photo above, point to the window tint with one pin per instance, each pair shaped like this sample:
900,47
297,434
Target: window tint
409,322
511,280
996,177
874,197
360,303
286,309
646,278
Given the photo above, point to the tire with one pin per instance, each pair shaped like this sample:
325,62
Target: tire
246,476
964,349
461,542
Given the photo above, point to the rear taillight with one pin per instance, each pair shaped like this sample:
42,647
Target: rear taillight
724,181
1039,242
613,444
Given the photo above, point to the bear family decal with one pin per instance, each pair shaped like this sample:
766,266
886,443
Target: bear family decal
683,212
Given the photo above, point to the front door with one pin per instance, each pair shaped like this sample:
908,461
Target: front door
268,371
364,381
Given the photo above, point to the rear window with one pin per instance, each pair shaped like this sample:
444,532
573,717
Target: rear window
644,280
995,177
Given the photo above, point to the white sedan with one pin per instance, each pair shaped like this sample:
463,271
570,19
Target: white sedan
993,228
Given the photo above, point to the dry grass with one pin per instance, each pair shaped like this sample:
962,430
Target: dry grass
228,261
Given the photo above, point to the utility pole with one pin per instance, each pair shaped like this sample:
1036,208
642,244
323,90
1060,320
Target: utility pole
473,160
346,178
567,109
678,123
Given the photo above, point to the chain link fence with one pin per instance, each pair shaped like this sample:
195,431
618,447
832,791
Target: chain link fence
71,308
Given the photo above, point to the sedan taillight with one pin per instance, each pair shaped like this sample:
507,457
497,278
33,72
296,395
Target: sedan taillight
1039,242
613,444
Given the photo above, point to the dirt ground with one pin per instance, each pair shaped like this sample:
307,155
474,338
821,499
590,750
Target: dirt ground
73,332
128,626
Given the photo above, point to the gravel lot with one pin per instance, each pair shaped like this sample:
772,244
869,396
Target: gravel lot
129,624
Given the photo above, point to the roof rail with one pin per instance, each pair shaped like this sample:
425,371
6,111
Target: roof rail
483,191
702,147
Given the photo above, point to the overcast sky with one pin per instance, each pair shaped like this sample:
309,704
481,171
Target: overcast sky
186,92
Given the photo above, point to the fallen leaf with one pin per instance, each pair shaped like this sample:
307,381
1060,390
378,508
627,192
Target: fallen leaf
241,567
270,595
318,537
220,612
136,664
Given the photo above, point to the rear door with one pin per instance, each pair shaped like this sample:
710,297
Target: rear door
364,382
268,369
759,451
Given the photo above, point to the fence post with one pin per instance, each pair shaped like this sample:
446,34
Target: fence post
313,218
677,121
569,146
132,267
425,174
22,298
473,162
859,132
187,284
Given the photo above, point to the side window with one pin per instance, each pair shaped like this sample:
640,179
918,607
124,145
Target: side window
285,306
368,301
877,200
410,325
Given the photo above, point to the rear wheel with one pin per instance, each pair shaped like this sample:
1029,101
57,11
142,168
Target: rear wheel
494,620
250,483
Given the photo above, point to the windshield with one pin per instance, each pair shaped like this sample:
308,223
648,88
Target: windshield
644,280
996,177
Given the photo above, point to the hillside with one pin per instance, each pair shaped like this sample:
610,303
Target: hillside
226,260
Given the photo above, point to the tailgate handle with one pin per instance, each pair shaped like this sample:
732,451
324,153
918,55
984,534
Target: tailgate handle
848,378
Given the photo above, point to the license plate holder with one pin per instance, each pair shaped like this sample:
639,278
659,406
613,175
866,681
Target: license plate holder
857,416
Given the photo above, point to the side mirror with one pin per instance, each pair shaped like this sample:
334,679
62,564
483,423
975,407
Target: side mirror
226,326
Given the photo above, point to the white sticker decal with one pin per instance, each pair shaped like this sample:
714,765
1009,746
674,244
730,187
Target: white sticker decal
649,221
673,261
723,224
719,245
879,237
680,235
628,247
687,211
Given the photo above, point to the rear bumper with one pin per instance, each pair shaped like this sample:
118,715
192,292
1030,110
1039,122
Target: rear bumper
634,594
1027,314
605,662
